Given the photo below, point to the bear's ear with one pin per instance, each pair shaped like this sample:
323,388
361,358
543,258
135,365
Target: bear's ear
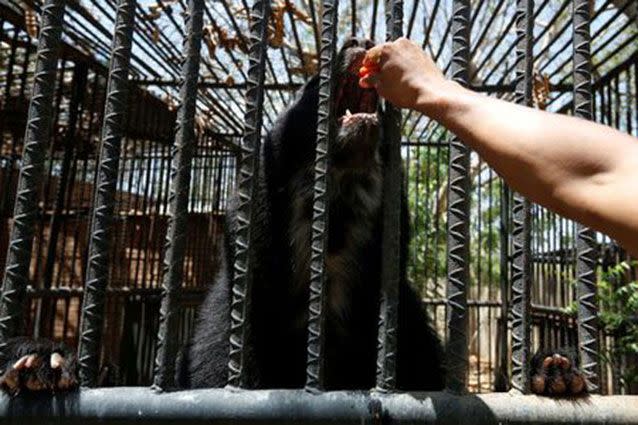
349,42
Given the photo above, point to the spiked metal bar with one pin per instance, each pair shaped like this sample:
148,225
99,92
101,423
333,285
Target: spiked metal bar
248,169
325,133
178,201
458,239
36,139
75,107
104,200
521,217
390,266
586,241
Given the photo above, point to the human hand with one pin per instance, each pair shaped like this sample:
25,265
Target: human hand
403,74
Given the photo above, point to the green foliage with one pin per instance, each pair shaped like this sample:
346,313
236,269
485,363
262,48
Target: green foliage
427,174
618,299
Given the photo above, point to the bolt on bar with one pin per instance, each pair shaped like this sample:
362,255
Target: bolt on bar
248,168
36,140
586,245
182,156
319,242
116,107
458,215
521,226
390,267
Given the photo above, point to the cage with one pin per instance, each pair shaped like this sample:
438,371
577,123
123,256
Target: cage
142,120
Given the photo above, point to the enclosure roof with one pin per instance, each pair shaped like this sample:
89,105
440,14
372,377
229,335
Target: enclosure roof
294,39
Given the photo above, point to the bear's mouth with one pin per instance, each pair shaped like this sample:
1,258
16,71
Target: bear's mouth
353,102
365,118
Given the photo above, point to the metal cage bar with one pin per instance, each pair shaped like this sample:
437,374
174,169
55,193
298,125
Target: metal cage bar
458,239
390,267
586,245
137,405
36,139
181,162
521,214
248,168
325,133
97,275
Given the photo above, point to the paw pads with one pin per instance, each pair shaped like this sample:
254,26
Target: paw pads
555,375
36,373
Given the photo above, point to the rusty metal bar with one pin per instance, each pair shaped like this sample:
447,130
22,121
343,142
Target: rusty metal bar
113,130
325,133
390,266
587,257
182,156
36,139
247,170
458,240
521,214
137,405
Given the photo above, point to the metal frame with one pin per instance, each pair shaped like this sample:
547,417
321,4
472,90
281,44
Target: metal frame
248,168
178,200
458,244
36,137
319,241
521,216
391,257
104,203
142,405
586,243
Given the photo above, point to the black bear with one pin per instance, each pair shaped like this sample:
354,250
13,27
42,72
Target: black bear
276,353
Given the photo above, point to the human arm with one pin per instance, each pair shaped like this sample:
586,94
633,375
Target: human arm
582,170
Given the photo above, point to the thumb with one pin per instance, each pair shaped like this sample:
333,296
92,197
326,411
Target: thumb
372,59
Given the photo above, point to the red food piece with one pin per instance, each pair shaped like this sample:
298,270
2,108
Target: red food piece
365,71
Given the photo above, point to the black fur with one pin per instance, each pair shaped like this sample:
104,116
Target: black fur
277,347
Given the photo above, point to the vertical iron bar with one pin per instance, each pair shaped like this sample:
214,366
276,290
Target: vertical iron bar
97,273
37,135
248,168
521,223
501,382
586,238
325,133
373,19
313,17
390,269
77,98
182,156
458,240
353,18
